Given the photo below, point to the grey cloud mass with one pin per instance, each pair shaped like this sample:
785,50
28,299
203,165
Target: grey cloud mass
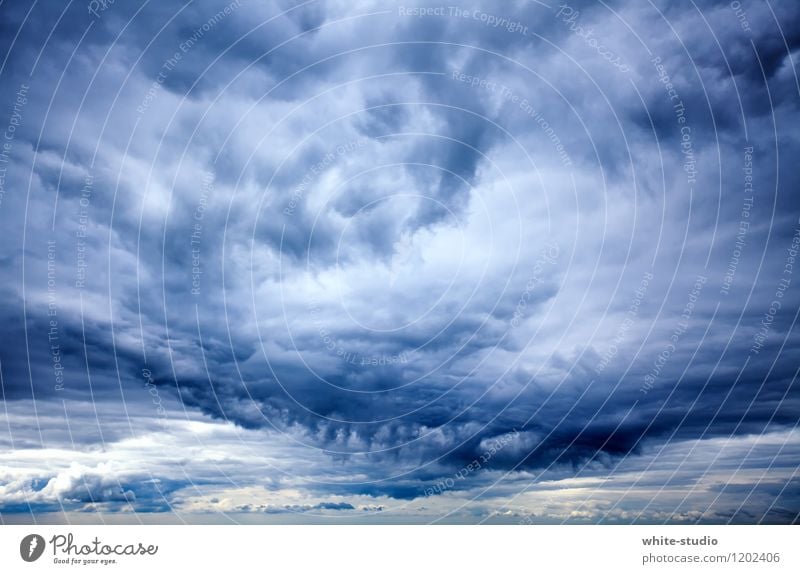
383,262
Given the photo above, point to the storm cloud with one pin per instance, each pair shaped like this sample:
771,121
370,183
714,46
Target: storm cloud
376,261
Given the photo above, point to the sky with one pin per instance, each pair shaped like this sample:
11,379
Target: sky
374,262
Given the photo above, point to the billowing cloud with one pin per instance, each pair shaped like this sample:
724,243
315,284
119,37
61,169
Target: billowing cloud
370,261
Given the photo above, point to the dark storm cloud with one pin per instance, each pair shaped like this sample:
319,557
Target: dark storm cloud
409,201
